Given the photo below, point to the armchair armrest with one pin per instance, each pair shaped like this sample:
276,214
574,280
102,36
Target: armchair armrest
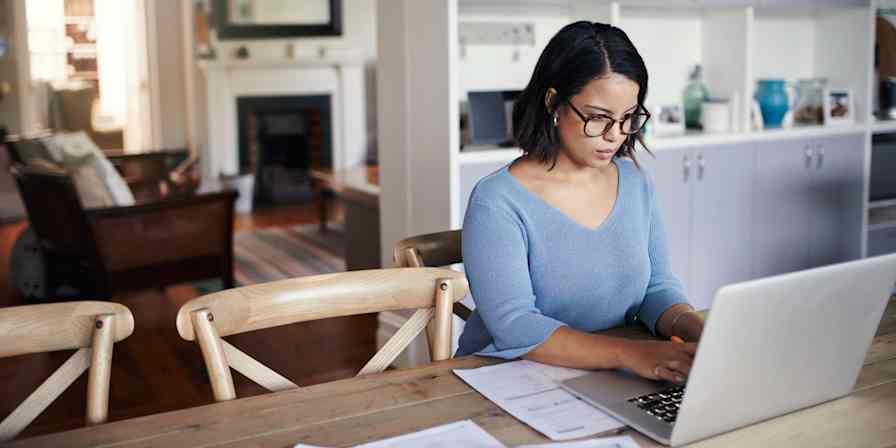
152,175
147,155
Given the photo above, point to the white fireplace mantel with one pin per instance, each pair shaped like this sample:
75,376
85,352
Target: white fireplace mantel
341,77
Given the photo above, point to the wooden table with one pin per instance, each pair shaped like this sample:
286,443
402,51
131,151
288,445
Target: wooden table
352,411
358,190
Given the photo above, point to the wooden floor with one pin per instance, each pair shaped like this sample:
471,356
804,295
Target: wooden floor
155,371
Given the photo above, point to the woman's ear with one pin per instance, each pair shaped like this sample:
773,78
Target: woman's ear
549,99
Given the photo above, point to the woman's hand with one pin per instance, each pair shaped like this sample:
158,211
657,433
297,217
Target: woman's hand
659,360
680,320
688,327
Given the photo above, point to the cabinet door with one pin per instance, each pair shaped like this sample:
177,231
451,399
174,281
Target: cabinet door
781,207
721,208
671,173
836,200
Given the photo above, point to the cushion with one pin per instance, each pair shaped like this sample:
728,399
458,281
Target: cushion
30,150
76,149
97,181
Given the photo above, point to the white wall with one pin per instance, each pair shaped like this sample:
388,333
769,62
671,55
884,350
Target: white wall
172,83
358,33
10,107
670,45
783,37
418,118
491,67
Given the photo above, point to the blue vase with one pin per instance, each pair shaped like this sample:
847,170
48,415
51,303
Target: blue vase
773,101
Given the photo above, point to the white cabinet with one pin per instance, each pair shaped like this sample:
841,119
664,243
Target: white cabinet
837,201
781,218
808,203
741,211
671,173
705,197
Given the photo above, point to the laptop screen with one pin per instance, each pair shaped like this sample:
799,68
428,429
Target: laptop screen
490,116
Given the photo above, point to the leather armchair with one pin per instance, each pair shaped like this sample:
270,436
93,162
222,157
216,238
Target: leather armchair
162,239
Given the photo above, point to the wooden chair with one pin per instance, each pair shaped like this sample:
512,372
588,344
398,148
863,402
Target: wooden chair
206,319
432,250
90,327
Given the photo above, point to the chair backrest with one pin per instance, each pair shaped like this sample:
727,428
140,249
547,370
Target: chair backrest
90,327
432,250
54,210
430,291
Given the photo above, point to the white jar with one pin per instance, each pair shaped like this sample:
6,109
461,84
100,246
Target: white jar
716,115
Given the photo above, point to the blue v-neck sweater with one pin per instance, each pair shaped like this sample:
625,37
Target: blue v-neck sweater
533,269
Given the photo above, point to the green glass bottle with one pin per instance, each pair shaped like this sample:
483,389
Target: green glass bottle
694,95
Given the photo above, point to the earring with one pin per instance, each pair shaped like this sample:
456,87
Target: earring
555,119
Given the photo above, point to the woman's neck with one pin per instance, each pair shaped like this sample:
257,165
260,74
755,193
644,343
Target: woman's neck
568,170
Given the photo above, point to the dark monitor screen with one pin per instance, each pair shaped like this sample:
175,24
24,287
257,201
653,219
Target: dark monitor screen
883,167
490,116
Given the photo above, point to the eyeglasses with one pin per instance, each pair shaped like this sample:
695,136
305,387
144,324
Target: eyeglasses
598,125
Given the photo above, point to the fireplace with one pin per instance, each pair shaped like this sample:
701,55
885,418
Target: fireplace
280,138
339,75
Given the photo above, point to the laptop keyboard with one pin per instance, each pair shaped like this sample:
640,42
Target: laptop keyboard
662,405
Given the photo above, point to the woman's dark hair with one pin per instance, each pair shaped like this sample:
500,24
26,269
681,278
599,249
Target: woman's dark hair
578,53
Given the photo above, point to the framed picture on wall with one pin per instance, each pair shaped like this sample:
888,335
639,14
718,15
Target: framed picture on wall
202,16
838,106
261,19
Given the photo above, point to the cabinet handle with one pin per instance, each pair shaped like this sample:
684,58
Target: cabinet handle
820,157
686,167
701,166
809,156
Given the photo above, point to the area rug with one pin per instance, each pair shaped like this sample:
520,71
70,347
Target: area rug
266,255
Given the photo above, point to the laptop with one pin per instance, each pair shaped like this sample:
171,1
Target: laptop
769,347
491,117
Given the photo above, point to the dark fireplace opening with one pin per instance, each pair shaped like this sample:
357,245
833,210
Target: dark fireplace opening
281,138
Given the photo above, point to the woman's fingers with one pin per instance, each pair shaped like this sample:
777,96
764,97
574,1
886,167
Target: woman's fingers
680,366
690,348
664,373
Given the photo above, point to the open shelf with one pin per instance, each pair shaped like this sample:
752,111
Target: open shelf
736,42
882,203
824,42
486,154
714,37
698,138
883,126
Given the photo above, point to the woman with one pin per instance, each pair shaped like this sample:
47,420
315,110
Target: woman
567,240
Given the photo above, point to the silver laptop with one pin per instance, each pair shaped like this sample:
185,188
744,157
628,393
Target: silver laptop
769,347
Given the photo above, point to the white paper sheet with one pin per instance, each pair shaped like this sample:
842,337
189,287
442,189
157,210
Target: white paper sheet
608,442
464,433
530,392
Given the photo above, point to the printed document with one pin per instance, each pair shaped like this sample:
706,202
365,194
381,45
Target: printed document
530,391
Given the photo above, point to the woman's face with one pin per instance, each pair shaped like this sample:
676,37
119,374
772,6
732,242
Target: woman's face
613,95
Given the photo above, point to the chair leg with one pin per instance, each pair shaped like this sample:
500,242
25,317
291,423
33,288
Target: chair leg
322,203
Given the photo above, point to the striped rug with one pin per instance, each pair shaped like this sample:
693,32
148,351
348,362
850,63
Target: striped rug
265,255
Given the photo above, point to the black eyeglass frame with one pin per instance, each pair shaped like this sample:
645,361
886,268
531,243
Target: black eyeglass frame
612,122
